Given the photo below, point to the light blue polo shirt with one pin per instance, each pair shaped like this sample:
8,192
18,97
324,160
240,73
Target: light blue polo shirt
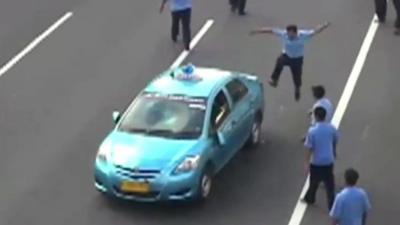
178,5
350,205
293,48
319,140
327,105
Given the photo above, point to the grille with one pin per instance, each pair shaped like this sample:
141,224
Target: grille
137,173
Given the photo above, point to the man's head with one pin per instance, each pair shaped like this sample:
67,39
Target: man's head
292,31
351,177
319,114
318,91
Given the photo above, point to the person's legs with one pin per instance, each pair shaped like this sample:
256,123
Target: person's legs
234,5
175,25
281,61
380,10
296,66
315,179
396,4
329,181
242,6
186,19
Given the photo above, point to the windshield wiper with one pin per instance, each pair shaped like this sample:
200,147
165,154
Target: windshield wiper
135,130
162,132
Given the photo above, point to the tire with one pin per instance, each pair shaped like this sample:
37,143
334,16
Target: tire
205,185
255,133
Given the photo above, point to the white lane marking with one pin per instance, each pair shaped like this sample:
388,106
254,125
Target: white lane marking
34,43
300,208
193,43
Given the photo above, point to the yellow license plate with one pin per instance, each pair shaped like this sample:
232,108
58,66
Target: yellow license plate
129,186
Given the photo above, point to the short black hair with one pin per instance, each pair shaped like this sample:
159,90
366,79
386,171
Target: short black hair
318,91
291,27
319,113
351,176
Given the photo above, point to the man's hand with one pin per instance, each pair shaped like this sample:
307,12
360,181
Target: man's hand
253,32
322,27
306,169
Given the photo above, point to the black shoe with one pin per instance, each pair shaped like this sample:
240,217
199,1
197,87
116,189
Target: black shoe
303,200
187,47
174,39
242,13
297,96
382,20
273,83
397,32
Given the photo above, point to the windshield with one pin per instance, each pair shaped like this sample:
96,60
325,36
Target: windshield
169,116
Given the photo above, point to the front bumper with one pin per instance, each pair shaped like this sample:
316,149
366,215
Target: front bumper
163,187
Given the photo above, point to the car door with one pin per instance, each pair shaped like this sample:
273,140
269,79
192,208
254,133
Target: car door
242,112
221,128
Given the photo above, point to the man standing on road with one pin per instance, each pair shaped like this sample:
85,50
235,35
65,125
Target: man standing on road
351,204
181,11
321,143
380,10
239,5
318,92
293,41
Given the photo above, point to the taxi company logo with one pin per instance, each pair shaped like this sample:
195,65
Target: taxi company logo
136,170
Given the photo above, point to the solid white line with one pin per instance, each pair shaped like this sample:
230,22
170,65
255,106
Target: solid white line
34,43
193,43
300,208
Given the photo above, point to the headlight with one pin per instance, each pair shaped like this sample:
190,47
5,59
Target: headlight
104,151
189,164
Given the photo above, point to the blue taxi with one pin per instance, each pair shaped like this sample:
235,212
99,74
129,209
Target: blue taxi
178,133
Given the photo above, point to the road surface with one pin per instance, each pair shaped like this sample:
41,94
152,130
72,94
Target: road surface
56,106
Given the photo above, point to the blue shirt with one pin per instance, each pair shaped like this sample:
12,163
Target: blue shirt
178,5
327,105
294,48
319,140
350,206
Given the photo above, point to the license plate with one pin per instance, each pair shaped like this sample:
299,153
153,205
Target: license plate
129,186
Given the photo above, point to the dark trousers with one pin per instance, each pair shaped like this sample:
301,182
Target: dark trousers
320,174
381,9
396,4
296,66
183,17
240,5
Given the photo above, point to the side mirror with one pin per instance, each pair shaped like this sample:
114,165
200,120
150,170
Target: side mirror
221,138
116,116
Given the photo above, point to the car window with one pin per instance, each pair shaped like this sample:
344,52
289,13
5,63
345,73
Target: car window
237,90
220,110
167,116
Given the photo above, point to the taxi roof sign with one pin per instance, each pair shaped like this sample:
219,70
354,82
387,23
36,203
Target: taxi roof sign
186,73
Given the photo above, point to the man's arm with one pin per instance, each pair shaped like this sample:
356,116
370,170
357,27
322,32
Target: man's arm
262,30
308,144
335,142
364,219
163,2
307,161
321,27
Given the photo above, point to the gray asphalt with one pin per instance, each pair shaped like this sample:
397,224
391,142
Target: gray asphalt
56,107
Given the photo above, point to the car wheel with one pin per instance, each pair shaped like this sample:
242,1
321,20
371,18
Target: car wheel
205,185
255,133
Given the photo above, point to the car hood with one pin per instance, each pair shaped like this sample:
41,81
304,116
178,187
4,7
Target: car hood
147,152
